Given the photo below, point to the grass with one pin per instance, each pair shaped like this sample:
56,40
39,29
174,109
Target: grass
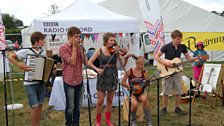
205,112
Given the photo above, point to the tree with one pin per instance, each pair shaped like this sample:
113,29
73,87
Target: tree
215,12
8,21
18,23
11,23
220,14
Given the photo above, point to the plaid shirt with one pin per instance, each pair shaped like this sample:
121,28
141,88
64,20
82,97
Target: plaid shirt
72,74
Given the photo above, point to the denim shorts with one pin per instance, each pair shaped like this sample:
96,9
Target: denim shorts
36,94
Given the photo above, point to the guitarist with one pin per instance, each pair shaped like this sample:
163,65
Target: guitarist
173,50
136,76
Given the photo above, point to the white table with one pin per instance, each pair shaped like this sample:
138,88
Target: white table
57,98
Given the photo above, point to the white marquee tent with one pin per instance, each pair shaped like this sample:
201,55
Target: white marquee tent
176,14
89,17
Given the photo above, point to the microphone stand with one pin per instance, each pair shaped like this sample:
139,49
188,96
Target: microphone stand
190,99
129,112
87,84
119,92
157,79
5,93
190,102
158,101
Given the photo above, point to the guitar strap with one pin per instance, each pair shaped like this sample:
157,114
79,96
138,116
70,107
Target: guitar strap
37,54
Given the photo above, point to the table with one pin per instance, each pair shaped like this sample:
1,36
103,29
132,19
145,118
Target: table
57,98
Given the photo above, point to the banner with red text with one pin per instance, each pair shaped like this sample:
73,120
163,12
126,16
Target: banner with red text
151,14
2,34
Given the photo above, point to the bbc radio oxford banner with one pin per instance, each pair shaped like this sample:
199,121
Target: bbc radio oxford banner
212,40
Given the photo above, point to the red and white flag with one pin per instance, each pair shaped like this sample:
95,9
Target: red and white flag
151,14
2,47
2,34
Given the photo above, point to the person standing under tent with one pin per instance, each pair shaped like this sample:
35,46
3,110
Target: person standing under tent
173,50
35,90
90,53
203,57
72,57
107,75
137,75
16,45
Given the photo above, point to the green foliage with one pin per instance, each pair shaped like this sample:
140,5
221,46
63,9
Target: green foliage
11,23
220,14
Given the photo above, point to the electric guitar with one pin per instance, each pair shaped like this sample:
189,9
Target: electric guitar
177,67
138,88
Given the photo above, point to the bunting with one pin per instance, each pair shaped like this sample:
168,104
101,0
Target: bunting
96,36
92,37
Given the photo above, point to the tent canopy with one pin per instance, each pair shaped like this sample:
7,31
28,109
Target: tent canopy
89,17
176,14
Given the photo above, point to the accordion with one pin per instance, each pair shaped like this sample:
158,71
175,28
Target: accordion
42,68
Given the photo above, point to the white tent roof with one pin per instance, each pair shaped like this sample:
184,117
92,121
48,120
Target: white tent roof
89,17
176,14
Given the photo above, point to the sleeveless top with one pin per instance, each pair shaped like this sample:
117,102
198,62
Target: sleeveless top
136,80
108,80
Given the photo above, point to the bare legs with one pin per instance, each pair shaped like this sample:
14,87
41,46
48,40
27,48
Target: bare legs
100,101
36,115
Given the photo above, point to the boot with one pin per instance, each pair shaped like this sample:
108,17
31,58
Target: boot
148,117
98,119
133,120
108,122
133,123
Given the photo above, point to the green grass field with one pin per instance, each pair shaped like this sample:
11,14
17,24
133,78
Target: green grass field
205,112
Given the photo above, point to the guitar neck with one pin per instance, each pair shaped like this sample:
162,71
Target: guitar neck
184,62
153,76
212,69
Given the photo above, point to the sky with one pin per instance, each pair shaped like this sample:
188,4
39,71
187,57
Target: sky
27,10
